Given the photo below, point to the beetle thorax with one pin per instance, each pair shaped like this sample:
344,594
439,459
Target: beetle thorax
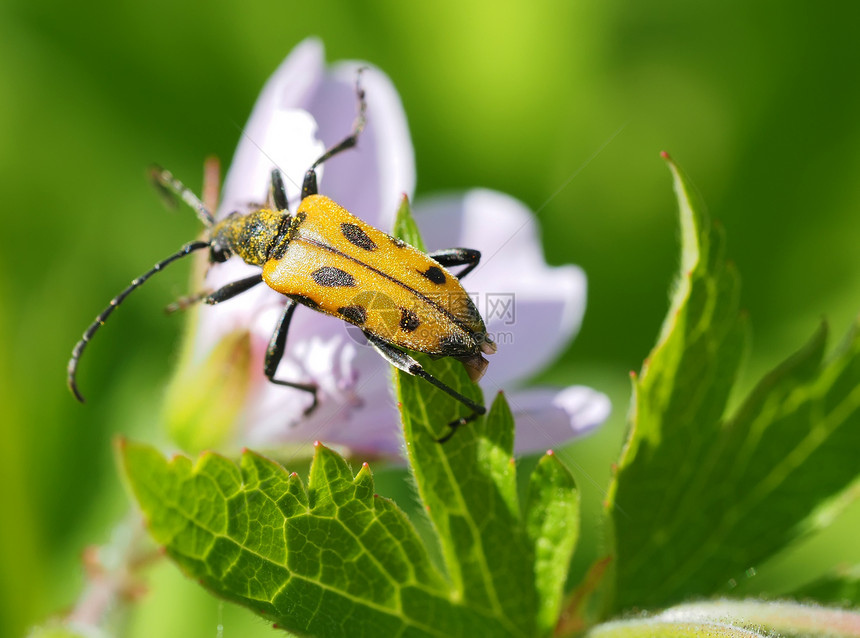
253,237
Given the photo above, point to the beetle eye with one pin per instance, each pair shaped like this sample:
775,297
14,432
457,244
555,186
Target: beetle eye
218,255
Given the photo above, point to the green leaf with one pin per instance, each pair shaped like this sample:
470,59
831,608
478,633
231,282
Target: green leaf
405,227
552,523
471,501
329,560
700,496
499,562
469,491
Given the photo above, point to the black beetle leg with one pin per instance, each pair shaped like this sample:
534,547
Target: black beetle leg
458,257
278,192
171,188
309,186
409,365
232,289
275,352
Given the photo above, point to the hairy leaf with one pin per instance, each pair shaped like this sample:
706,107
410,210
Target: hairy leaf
737,618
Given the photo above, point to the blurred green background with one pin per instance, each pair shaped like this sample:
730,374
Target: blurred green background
758,102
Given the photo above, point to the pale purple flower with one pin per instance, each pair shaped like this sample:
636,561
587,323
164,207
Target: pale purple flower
304,108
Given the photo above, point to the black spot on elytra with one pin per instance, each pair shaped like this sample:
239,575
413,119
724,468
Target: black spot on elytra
332,277
409,321
357,237
397,242
434,274
355,314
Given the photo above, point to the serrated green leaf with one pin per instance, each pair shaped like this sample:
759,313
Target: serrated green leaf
468,485
699,497
332,560
552,523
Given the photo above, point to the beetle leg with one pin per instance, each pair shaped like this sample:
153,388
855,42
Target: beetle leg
453,425
278,192
275,352
222,294
232,289
409,365
309,186
171,188
185,302
458,257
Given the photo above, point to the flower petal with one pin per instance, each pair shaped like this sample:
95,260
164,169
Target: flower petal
355,403
531,309
370,180
548,418
280,132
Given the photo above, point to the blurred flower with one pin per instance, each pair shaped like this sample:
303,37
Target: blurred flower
220,394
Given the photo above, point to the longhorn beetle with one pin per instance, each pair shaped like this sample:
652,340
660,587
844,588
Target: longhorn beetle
326,259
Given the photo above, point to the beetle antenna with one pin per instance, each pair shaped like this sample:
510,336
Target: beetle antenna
116,301
171,187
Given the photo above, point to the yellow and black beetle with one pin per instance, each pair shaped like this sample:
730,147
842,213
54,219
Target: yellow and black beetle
328,260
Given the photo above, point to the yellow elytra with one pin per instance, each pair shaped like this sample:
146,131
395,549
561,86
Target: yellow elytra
325,258
349,269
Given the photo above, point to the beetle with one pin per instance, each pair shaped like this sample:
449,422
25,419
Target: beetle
324,258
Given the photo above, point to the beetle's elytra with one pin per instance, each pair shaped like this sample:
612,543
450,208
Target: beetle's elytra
326,259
